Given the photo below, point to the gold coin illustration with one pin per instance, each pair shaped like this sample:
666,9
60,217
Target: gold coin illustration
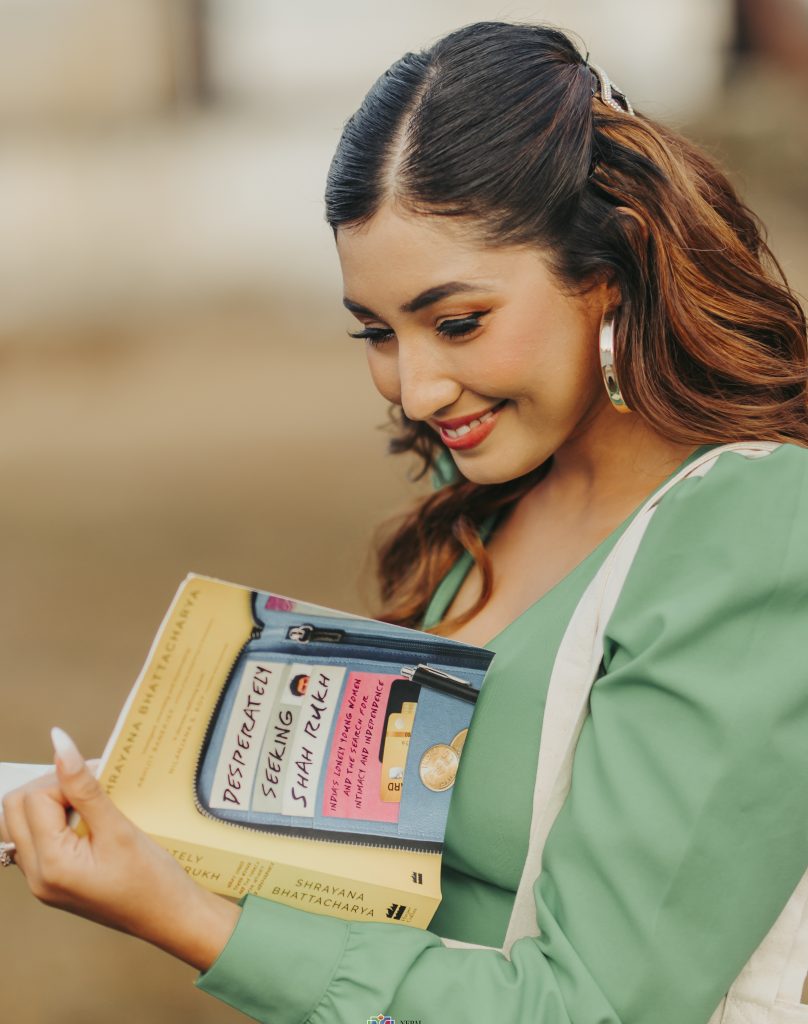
438,767
459,740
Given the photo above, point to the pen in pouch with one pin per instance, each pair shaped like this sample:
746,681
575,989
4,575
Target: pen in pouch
442,682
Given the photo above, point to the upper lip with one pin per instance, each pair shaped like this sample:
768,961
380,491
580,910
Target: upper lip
461,421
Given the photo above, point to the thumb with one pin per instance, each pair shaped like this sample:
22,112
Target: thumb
78,782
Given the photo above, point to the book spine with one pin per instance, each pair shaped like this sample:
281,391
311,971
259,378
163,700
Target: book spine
233,875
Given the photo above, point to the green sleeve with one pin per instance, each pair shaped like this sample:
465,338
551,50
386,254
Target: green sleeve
685,829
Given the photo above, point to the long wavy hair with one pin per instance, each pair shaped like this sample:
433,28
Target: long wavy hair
501,124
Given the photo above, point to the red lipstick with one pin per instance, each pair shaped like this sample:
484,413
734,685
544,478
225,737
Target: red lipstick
465,432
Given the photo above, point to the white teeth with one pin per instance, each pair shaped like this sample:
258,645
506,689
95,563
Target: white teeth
462,431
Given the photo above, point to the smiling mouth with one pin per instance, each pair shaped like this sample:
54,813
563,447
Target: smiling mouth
471,433
468,427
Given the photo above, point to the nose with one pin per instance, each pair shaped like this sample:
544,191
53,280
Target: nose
425,378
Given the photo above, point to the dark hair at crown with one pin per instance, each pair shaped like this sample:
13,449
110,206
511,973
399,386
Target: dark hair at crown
455,130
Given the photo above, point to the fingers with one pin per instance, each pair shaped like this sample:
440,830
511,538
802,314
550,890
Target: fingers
110,872
16,830
37,822
26,821
46,818
59,851
42,782
78,784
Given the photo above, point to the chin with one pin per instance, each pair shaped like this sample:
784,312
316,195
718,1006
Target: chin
487,471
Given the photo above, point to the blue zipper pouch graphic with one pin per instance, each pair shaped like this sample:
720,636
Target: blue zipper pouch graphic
341,728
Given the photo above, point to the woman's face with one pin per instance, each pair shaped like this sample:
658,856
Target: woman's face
481,343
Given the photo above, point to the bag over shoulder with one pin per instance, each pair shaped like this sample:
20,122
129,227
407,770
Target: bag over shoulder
768,989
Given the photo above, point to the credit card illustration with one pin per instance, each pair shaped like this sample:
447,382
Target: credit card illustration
402,704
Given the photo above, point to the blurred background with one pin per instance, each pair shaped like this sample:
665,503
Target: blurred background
176,388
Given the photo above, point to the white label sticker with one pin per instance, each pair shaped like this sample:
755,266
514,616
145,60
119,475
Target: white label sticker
321,686
234,777
273,765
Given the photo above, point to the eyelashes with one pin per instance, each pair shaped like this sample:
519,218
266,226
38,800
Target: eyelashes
456,328
460,327
372,335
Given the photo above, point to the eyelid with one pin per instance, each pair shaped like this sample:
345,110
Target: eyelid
472,319
370,324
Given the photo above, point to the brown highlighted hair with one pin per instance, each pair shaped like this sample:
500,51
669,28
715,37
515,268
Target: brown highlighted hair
500,124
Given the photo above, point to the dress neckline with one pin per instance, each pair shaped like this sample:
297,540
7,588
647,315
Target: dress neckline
452,585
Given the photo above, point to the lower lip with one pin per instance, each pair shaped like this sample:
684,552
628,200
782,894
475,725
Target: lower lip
474,437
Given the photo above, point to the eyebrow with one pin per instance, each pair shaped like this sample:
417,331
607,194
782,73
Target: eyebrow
428,297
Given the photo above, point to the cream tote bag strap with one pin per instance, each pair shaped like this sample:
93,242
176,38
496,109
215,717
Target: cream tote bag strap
768,989
574,672
778,966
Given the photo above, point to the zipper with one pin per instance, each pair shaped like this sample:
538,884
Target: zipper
325,836
255,632
292,831
307,633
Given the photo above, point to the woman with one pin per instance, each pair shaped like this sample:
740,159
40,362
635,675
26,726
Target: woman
500,215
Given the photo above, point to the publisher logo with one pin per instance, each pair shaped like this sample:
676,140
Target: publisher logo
395,912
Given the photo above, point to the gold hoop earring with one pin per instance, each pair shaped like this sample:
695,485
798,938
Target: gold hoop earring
606,345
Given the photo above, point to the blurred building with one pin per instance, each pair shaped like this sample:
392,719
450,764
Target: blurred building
158,152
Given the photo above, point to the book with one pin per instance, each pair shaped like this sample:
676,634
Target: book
295,752
12,775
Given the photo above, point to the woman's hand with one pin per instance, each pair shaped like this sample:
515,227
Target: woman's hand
116,875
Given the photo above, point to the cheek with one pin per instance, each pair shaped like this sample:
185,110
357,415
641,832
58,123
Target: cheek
555,370
383,368
519,368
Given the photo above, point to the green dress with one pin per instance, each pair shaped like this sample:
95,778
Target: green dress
685,830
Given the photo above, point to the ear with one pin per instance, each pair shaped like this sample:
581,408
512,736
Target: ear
604,292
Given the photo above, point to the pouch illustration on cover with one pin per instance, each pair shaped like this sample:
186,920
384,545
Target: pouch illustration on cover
335,727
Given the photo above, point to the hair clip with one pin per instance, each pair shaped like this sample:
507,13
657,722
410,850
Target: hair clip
608,91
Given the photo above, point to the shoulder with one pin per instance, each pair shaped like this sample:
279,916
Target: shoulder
716,599
733,476
739,497
736,537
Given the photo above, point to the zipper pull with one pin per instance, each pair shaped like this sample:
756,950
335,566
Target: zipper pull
307,633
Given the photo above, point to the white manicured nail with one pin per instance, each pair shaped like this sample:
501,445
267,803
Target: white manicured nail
67,751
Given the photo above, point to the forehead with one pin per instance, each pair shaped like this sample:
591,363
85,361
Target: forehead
395,255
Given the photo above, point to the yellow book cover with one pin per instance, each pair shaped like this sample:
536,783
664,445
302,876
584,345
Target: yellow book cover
295,752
